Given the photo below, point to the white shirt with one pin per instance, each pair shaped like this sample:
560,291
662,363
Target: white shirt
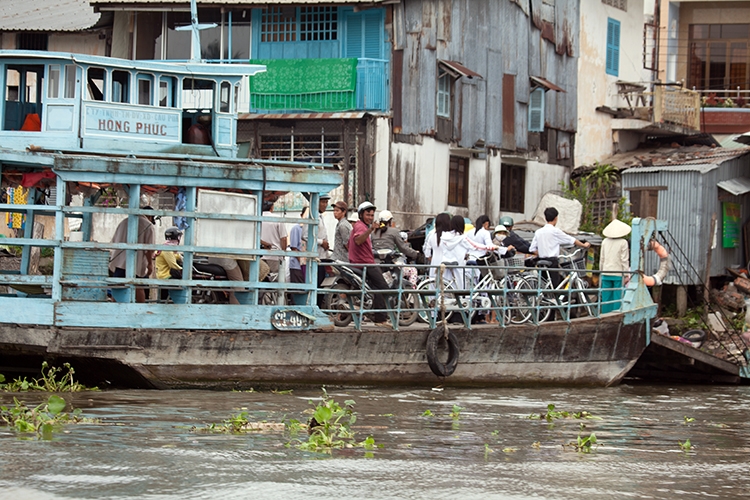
547,241
614,256
322,235
482,237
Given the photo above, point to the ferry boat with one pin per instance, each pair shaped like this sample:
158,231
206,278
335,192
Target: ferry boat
97,129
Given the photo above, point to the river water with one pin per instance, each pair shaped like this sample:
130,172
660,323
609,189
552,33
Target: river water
143,446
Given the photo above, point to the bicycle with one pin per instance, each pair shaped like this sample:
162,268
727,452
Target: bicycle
572,288
492,291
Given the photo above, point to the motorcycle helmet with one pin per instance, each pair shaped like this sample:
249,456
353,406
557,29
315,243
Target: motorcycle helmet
385,216
506,221
172,233
365,205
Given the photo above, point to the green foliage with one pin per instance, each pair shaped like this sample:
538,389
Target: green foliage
688,419
427,413
584,444
553,414
43,419
594,186
330,427
47,382
456,412
686,446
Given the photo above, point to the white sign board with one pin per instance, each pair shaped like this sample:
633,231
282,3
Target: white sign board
226,233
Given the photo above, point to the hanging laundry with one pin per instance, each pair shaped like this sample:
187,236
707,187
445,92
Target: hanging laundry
16,196
180,203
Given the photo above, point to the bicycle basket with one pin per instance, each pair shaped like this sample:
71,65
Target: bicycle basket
578,264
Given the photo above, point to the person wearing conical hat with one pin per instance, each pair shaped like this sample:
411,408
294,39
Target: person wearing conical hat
614,261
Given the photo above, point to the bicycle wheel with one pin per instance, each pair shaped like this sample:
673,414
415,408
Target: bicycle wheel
431,302
544,302
408,305
519,302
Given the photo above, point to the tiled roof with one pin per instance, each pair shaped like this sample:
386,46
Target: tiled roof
46,15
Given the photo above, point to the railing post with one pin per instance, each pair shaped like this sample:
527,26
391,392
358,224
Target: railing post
658,104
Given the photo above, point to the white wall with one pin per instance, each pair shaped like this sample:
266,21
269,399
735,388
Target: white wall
597,88
540,179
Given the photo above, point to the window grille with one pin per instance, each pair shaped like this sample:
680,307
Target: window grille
617,4
318,23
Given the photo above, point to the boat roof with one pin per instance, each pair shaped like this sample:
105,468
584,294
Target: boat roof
185,68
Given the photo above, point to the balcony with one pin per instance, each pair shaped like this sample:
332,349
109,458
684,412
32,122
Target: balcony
667,110
320,86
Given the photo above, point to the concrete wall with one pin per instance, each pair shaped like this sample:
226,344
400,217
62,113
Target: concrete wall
540,179
597,88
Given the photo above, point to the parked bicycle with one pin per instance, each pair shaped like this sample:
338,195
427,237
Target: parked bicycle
499,289
571,295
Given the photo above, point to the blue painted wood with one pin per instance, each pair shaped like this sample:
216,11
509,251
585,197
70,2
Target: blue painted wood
20,310
173,316
82,266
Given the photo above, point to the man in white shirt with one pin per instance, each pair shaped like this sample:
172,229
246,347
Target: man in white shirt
547,241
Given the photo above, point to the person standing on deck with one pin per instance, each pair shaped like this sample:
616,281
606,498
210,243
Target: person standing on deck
547,241
614,260
144,264
343,231
360,252
296,243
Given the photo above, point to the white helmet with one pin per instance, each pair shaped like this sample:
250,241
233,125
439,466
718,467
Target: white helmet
499,229
385,216
365,205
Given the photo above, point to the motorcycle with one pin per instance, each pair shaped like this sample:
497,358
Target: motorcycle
346,280
202,270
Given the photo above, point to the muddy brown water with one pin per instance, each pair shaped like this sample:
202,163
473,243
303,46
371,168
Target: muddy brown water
144,448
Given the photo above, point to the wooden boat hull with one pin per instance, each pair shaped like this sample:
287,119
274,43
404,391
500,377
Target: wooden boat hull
589,351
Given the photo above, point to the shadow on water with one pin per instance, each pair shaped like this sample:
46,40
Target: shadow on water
144,446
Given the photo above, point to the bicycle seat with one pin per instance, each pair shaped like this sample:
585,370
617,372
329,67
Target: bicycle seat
543,263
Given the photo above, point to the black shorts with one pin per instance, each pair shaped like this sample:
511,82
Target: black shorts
120,273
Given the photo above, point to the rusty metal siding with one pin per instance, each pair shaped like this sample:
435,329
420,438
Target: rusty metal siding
687,205
494,39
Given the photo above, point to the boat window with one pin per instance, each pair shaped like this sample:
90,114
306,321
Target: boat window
95,80
197,94
70,81
166,91
236,96
144,89
54,82
120,86
224,96
12,79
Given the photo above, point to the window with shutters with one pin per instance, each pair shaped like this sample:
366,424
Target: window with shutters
458,181
536,110
512,188
613,47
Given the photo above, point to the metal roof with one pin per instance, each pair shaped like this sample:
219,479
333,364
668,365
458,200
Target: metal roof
343,115
736,186
47,15
695,158
538,80
459,69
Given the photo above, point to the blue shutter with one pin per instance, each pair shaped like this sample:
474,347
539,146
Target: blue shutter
536,110
353,43
613,47
364,34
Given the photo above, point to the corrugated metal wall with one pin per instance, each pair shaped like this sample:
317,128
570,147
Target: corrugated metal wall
492,38
688,203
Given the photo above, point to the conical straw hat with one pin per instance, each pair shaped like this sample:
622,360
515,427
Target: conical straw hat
616,229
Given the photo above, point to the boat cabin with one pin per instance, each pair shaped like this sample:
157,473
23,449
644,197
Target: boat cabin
68,102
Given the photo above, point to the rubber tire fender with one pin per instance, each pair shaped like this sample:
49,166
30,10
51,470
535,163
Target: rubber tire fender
695,336
433,341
